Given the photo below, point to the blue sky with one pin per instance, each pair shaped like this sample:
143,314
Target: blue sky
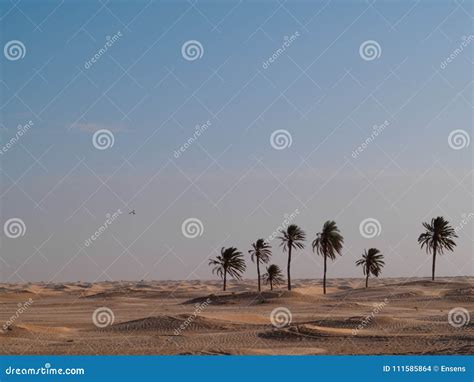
320,89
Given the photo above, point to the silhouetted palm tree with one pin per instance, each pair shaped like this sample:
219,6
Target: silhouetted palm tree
438,237
328,242
293,237
372,262
274,276
231,262
260,253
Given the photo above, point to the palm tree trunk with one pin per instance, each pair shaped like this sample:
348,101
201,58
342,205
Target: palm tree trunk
434,262
225,279
271,285
324,277
367,275
258,274
289,265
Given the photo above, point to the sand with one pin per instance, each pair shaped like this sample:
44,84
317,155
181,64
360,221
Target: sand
392,316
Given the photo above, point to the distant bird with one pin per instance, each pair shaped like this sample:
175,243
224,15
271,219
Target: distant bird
132,212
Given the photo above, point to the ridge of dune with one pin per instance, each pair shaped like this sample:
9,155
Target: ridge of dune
167,323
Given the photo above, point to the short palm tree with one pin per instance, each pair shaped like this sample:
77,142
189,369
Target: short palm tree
293,237
260,253
328,242
231,262
438,237
274,276
372,263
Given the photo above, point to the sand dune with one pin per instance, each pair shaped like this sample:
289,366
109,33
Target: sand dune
392,316
169,324
246,298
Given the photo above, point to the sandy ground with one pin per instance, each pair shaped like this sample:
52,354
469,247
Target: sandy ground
393,316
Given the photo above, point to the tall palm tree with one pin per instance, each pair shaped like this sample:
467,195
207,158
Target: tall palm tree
293,237
328,242
260,252
372,262
438,237
231,262
274,276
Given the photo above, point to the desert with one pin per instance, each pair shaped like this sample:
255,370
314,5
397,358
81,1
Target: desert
392,316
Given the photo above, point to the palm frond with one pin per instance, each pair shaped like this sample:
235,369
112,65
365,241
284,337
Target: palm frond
273,275
371,262
230,261
292,237
439,235
261,251
329,241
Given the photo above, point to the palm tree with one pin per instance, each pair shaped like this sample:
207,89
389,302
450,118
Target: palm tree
438,237
260,252
372,262
274,276
231,262
328,242
293,237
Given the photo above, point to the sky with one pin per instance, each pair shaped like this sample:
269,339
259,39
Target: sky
236,115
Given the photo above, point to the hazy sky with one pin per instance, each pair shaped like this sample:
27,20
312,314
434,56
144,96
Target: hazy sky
150,92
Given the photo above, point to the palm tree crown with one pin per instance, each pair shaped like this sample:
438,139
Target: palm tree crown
293,237
274,276
438,237
260,253
231,262
372,263
328,243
